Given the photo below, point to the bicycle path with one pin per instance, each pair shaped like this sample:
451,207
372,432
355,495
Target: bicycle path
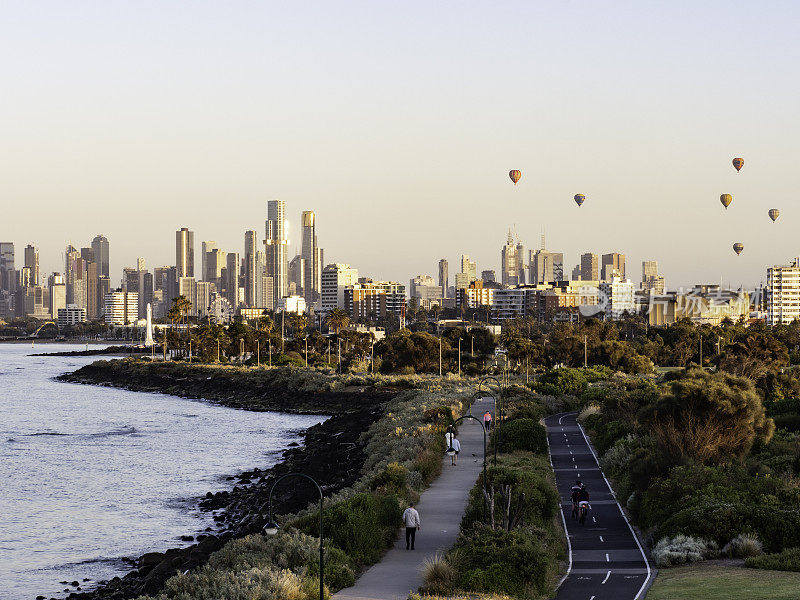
440,507
606,560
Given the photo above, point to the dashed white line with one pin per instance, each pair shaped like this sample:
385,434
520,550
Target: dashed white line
602,540
606,579
608,559
594,520
592,598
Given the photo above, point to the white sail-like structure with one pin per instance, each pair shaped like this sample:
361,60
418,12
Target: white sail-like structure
148,340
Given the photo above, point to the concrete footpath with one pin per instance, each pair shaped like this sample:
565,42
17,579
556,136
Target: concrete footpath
441,507
606,561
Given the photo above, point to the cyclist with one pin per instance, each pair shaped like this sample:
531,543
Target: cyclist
583,503
574,493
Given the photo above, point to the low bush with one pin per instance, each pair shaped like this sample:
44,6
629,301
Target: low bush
787,560
682,549
743,545
789,422
521,434
562,381
439,573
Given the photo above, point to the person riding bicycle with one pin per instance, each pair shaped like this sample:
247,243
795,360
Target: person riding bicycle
574,493
583,503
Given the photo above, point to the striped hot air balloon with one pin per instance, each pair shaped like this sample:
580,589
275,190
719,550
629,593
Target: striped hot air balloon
579,198
515,175
774,213
738,247
726,200
738,163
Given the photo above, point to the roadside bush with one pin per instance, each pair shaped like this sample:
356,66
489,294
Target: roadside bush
522,434
606,433
682,549
562,381
789,422
743,545
439,574
787,560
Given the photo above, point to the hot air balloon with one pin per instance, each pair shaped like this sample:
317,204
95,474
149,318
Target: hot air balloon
738,247
579,198
774,213
515,175
726,200
738,163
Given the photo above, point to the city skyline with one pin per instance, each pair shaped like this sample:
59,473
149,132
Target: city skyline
644,127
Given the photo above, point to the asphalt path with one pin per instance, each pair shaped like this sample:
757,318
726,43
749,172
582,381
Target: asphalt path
606,560
440,507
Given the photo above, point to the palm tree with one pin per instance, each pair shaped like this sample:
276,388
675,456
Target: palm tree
299,324
337,319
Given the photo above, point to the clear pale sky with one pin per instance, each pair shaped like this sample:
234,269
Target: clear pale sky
398,123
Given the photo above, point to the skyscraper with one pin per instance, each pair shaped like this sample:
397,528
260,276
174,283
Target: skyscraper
72,259
277,244
32,263
444,277
783,293
512,262
651,280
250,268
589,268
613,264
546,266
206,249
297,275
100,247
184,252
313,271
232,279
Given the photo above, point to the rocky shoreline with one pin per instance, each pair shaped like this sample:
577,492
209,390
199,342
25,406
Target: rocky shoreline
331,453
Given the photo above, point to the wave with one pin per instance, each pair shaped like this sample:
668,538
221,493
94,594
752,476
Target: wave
130,430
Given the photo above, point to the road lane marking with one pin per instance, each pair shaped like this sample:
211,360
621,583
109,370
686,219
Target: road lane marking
601,539
607,559
594,520
563,518
606,579
592,598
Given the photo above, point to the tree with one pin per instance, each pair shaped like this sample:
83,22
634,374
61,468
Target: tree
403,350
337,319
711,418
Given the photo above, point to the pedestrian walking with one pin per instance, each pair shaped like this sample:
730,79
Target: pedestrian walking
455,445
487,420
412,523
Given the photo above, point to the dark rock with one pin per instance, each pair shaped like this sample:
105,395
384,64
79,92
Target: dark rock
187,538
74,584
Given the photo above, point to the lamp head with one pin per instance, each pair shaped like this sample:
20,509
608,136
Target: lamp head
271,528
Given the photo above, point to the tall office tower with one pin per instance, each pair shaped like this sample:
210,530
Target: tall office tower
141,264
205,249
215,262
488,276
7,266
232,279
58,293
312,274
613,264
546,266
297,275
444,277
576,273
184,252
651,280
32,262
263,282
103,288
589,269
87,254
100,247
90,275
277,244
72,259
250,271
512,262
146,290
469,267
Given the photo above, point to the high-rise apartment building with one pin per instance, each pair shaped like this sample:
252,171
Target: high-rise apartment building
335,278
7,275
576,273
783,293
184,252
232,279
251,275
371,299
58,293
277,245
616,297
488,276
444,277
512,262
651,280
613,266
589,267
312,257
100,248
122,308
215,262
32,263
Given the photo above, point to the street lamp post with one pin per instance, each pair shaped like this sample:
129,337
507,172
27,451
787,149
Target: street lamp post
451,451
306,352
258,353
498,411
271,528
459,358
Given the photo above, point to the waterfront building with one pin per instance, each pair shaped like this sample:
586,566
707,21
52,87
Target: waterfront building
335,278
58,293
783,293
121,307
70,315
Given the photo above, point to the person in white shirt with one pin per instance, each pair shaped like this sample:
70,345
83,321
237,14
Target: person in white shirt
412,523
455,445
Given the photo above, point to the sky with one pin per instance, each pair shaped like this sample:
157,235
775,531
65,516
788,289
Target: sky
397,122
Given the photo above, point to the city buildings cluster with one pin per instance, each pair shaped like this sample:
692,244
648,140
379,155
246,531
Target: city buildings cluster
224,284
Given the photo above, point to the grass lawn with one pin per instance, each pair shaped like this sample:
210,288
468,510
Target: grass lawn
718,582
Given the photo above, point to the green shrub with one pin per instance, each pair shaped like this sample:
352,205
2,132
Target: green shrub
743,545
789,422
787,560
521,434
562,381
682,549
